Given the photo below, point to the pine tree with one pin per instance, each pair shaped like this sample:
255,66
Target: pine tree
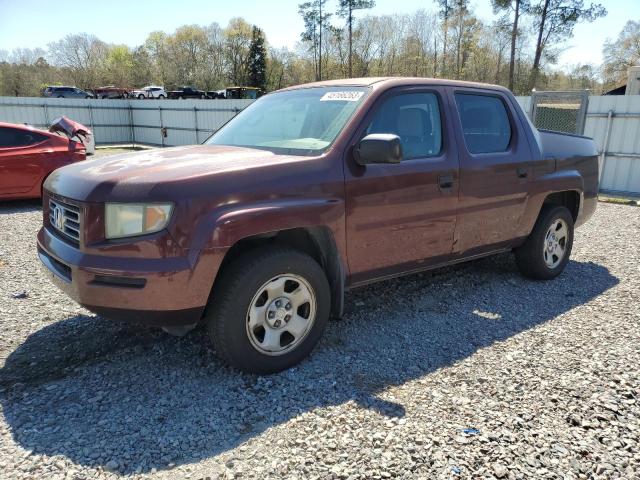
257,59
345,10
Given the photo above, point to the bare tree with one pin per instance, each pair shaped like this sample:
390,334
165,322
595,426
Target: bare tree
345,10
82,55
622,53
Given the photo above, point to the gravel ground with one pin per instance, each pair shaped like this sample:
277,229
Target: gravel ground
466,372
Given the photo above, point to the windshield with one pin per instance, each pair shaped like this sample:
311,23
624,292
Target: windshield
295,122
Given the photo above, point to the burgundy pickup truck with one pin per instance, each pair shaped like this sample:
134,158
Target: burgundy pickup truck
310,191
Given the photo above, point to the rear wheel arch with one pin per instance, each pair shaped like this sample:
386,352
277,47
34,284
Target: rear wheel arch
570,199
317,242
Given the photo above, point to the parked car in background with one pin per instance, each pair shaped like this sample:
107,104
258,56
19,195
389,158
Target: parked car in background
29,155
187,92
250,93
66,92
151,91
110,91
311,191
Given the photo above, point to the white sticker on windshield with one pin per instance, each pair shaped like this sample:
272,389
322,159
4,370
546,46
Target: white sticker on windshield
352,96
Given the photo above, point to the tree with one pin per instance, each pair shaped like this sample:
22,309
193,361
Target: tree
257,60
187,54
157,48
118,65
81,55
345,10
445,13
237,42
214,71
142,68
464,26
622,53
517,6
315,23
555,20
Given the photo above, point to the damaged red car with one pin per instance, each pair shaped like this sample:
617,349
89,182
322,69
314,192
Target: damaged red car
28,155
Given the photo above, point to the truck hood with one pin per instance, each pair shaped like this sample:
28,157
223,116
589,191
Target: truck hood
160,173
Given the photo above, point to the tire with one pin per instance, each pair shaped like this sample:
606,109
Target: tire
546,252
243,284
140,97
180,97
161,97
202,97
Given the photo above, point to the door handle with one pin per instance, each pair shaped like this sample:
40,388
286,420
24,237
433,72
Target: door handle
522,172
445,182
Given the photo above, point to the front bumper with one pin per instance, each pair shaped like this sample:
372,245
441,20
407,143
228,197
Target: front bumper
154,291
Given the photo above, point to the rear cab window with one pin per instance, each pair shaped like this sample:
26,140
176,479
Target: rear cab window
485,122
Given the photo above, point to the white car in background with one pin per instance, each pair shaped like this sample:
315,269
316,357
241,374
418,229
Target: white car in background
151,91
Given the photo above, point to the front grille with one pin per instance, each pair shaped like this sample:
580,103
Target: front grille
65,219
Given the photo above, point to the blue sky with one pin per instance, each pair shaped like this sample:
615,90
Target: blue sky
34,23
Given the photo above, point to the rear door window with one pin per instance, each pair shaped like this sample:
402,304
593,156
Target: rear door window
485,123
415,118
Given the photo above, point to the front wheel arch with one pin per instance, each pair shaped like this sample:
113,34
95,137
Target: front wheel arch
317,242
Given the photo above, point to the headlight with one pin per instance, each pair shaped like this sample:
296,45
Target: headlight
131,219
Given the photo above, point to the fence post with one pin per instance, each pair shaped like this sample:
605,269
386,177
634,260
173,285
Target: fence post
46,115
133,130
605,144
161,126
195,120
91,119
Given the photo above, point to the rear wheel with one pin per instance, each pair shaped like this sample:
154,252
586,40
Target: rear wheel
268,310
546,252
140,97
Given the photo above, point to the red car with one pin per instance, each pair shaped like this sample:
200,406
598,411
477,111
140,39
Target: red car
28,155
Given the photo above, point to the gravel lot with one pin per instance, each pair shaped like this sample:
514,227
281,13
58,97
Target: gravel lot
467,372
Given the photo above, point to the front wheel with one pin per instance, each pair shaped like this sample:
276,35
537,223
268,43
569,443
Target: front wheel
546,251
268,310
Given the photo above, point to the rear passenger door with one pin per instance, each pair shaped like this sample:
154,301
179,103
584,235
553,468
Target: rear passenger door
495,169
402,216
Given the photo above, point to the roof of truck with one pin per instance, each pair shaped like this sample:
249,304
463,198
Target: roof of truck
371,81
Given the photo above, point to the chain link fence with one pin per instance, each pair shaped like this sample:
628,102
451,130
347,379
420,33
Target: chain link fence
560,111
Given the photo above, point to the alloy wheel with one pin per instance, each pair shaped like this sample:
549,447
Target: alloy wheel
555,243
281,314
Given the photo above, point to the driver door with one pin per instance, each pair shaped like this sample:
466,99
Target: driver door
402,217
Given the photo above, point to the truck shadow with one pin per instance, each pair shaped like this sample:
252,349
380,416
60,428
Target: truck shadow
94,391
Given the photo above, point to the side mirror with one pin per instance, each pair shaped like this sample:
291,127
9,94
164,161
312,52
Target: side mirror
379,148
